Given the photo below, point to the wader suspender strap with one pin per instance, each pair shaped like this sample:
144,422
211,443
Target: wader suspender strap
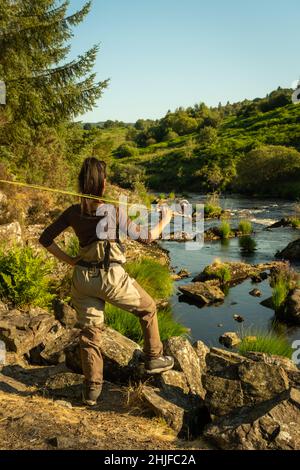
107,246
106,260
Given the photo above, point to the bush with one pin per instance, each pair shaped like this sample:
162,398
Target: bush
268,343
72,248
126,176
295,222
124,151
24,277
212,206
224,230
245,227
247,244
211,211
153,277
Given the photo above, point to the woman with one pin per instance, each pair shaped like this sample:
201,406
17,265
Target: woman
99,276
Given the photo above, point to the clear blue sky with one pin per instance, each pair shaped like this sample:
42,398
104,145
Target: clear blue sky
162,54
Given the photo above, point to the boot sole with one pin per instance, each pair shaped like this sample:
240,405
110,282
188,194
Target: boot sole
159,370
88,402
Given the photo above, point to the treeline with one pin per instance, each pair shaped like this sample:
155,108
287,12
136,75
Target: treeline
213,149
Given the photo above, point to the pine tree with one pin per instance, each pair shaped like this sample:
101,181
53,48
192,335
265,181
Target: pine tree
41,89
44,92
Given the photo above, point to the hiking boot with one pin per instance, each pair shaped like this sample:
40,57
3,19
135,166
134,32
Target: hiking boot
159,364
91,392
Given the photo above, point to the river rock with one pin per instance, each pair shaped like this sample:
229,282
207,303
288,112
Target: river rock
238,318
186,360
204,293
239,271
11,232
290,252
122,357
23,331
271,425
229,339
255,293
291,312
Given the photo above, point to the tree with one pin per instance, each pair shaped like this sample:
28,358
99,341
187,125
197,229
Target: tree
43,90
266,168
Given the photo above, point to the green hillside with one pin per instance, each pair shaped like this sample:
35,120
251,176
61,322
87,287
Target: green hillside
211,158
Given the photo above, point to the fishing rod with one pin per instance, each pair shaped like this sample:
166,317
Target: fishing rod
63,191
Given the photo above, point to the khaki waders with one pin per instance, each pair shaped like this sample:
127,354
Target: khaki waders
91,288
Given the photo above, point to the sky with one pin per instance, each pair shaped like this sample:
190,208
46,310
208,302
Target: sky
163,54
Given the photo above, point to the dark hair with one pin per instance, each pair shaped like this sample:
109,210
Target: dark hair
91,181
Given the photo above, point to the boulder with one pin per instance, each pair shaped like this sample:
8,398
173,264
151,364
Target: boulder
11,232
122,357
242,383
229,339
64,313
51,350
186,361
291,313
23,331
290,252
255,293
270,425
239,271
204,293
201,350
64,385
183,413
182,274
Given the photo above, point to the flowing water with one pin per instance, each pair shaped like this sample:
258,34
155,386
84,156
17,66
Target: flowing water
208,323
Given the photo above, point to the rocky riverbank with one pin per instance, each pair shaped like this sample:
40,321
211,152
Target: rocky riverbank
226,400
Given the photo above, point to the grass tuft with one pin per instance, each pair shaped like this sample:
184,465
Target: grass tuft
268,343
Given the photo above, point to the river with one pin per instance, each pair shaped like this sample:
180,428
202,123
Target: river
208,323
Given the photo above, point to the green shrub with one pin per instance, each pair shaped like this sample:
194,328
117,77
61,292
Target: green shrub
153,277
124,151
211,211
245,227
268,343
128,324
280,291
247,244
224,229
72,248
24,277
295,222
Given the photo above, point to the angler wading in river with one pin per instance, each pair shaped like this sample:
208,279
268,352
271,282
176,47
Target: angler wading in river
99,275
